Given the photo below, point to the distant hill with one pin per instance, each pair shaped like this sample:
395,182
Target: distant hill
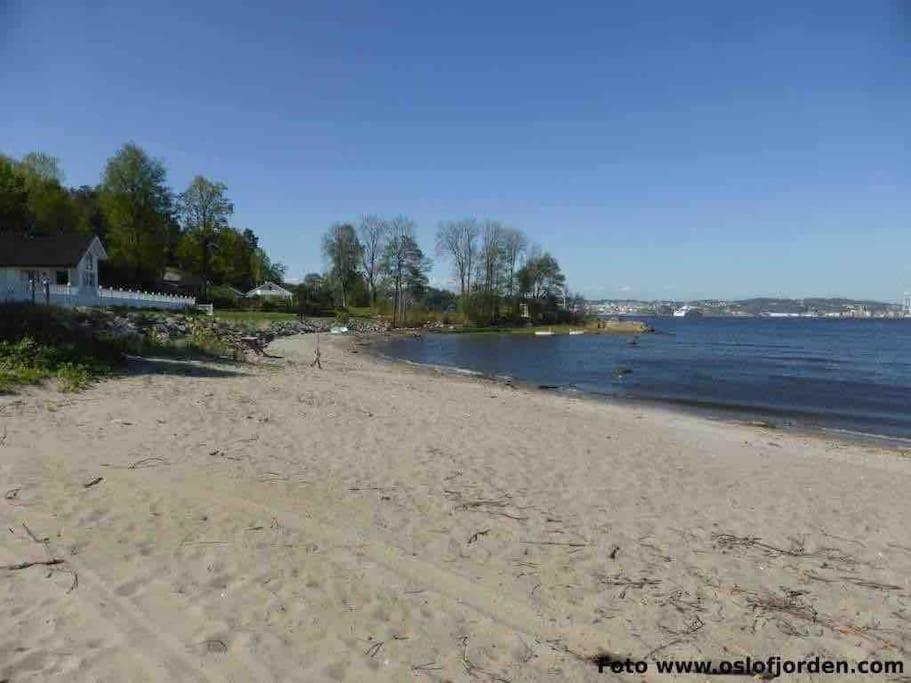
821,305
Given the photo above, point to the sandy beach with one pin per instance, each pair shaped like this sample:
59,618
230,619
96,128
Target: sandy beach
371,521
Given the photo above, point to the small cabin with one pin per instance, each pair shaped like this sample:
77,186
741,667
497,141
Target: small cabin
69,260
270,290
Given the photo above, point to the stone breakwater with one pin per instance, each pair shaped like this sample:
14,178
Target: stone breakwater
167,326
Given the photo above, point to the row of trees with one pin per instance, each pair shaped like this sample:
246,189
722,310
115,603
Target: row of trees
377,258
498,270
144,224
500,275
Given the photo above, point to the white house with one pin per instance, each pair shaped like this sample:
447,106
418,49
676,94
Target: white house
63,270
270,290
70,260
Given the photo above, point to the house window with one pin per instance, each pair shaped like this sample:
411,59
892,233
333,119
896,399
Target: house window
62,277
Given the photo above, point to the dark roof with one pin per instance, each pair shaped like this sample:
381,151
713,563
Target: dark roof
18,249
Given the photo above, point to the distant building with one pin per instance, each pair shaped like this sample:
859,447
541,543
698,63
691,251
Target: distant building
270,290
176,281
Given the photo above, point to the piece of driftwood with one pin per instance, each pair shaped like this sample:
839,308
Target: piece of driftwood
25,565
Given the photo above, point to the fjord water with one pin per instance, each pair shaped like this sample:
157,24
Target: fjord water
852,375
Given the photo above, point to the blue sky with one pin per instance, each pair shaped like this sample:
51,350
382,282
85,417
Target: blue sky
659,149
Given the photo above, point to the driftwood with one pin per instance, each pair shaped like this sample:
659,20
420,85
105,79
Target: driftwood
25,565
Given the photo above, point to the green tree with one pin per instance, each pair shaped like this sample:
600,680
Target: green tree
204,209
137,205
50,207
90,218
14,215
542,282
343,251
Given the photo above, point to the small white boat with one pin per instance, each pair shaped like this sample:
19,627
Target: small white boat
577,331
544,333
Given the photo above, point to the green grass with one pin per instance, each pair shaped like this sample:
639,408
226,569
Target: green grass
255,316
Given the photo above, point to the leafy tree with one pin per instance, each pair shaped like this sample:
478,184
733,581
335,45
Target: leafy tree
14,215
343,251
86,201
314,294
204,210
50,207
542,282
137,205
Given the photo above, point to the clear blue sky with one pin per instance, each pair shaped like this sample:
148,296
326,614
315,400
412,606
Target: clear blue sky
659,149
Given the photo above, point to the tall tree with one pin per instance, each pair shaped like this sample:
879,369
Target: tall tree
404,265
490,266
343,251
457,241
137,204
514,245
204,210
372,232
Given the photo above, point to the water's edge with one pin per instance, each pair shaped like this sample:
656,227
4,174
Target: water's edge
769,420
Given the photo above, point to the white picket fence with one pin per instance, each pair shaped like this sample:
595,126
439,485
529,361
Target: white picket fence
67,295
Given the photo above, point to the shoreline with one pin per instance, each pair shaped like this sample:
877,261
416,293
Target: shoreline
756,418
370,520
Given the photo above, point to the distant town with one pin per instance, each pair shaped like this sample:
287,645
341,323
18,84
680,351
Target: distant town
758,307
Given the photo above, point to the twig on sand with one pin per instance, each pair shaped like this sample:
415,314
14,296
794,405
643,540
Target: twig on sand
426,667
790,604
96,480
51,560
618,580
473,670
25,565
476,535
32,536
570,544
147,462
374,649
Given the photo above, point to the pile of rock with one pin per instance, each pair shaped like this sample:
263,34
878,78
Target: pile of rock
164,326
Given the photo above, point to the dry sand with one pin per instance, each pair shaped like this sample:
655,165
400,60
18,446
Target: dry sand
368,521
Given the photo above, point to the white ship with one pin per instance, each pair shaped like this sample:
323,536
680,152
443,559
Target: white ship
682,311
687,311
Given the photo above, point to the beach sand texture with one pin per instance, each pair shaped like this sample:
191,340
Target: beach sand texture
368,521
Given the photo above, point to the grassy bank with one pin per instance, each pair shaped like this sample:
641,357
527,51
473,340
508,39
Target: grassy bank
41,342
70,347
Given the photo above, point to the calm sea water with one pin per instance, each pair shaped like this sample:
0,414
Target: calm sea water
841,374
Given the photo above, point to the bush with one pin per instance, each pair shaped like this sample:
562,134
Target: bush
40,342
